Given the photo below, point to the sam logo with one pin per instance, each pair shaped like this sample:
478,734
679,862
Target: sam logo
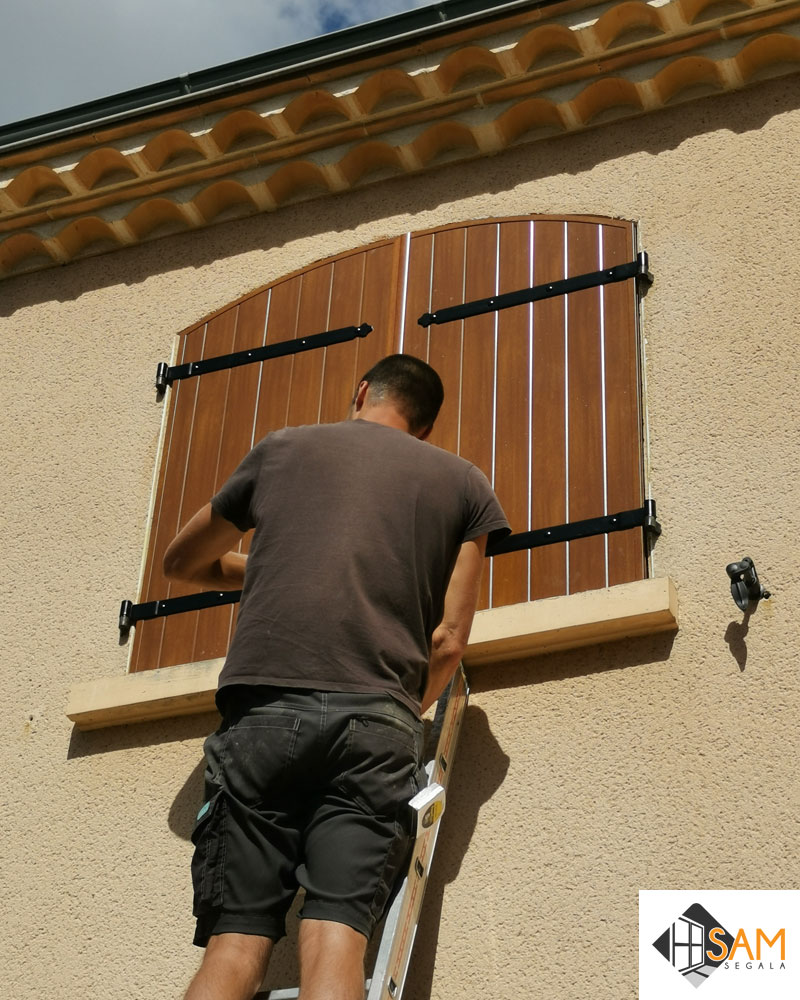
697,944
688,944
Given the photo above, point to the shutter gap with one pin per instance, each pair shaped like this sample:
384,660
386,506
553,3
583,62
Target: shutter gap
430,299
494,391
325,349
356,362
530,394
404,298
260,372
294,356
603,415
566,398
461,352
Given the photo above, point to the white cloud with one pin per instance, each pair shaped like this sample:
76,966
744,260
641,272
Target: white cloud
56,54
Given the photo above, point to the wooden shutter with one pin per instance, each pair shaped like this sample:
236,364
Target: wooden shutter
543,397
215,419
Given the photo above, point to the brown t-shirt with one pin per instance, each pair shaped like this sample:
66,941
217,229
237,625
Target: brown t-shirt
357,528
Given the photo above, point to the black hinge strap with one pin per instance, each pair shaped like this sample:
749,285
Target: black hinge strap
644,517
130,613
639,269
166,375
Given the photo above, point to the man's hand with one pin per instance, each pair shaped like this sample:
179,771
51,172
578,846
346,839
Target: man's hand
201,553
450,637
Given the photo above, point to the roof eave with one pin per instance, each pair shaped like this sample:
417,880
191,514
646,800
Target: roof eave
290,61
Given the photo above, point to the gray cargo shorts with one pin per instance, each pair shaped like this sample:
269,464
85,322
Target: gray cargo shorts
304,789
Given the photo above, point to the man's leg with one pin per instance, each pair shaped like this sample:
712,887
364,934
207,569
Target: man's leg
234,966
331,961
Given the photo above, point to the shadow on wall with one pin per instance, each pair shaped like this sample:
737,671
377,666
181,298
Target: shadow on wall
183,811
142,734
571,663
480,769
571,154
735,636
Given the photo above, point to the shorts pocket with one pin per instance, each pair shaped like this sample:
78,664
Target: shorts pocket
381,765
258,756
209,858
397,859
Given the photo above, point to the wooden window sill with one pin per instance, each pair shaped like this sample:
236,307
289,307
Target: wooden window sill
513,632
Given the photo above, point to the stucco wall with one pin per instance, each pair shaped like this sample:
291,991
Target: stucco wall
583,776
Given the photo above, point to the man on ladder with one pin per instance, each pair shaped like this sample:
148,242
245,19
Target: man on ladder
359,591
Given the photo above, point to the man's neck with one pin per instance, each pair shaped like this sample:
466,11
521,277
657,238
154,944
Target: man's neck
379,409
388,416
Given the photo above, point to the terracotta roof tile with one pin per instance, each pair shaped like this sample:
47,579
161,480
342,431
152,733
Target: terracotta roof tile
400,112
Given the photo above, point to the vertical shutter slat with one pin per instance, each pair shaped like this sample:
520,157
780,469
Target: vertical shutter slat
381,305
418,296
254,314
625,549
276,375
312,317
445,349
340,361
201,467
585,411
214,625
478,365
548,494
512,449
181,402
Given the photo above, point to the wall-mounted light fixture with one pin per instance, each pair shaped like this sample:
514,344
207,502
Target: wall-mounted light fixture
746,589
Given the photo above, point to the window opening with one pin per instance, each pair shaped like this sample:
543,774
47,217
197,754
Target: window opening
548,399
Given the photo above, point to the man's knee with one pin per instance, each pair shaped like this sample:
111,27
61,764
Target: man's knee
330,944
244,955
243,947
234,966
331,932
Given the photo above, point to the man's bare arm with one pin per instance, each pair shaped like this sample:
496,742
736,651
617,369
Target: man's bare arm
201,553
451,635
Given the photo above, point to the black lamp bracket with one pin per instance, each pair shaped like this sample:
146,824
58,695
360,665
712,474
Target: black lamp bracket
746,589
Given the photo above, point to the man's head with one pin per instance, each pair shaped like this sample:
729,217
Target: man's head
406,384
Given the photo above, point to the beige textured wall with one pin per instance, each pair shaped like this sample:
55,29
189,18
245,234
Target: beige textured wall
655,763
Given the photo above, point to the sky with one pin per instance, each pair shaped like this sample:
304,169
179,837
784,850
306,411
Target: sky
54,55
